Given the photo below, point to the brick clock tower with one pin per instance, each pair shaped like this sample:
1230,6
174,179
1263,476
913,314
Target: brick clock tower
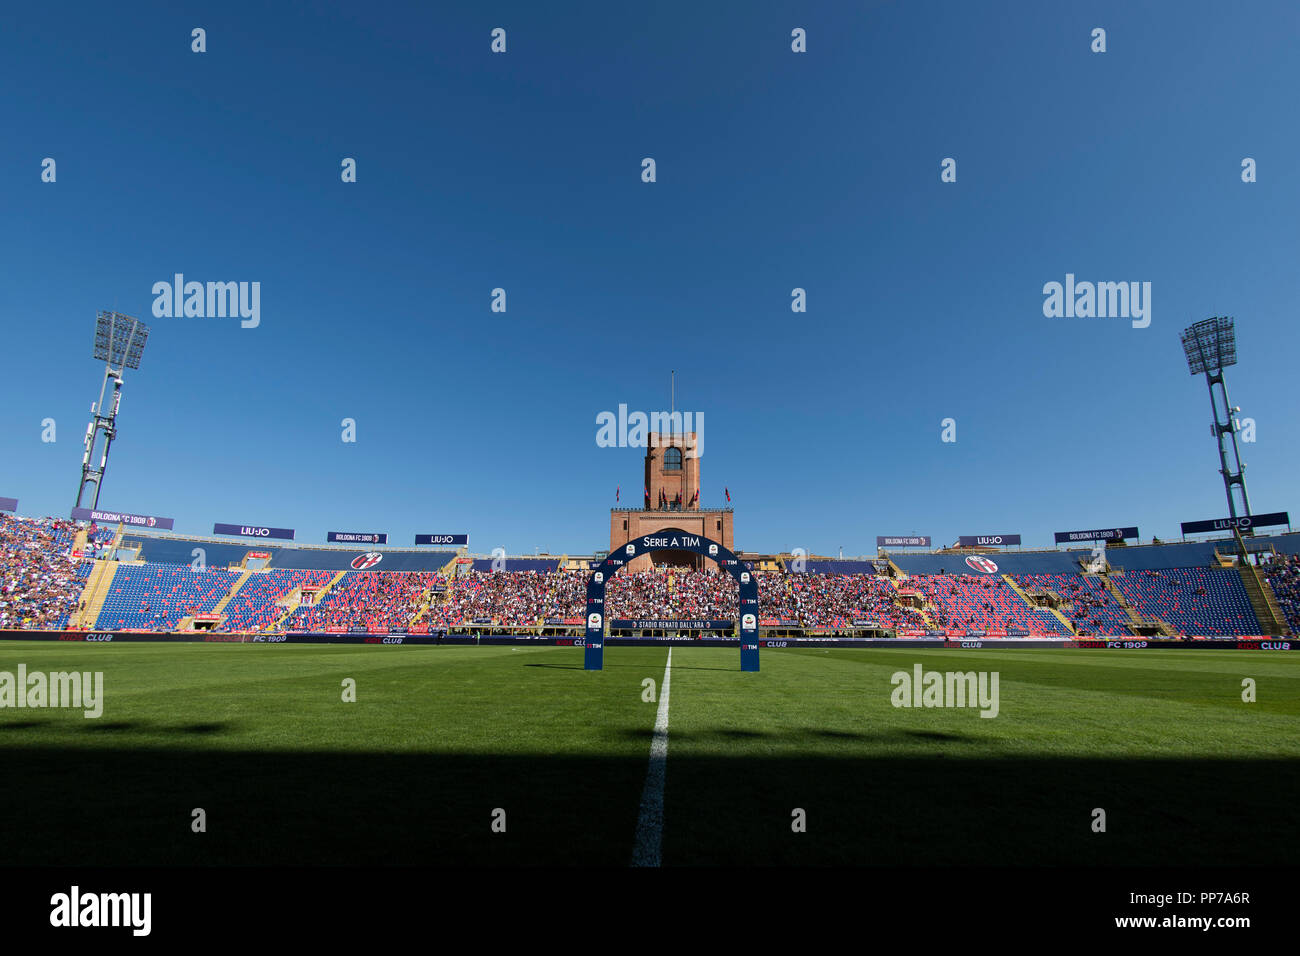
672,476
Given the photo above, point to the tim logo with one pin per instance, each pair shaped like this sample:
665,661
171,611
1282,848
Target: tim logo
367,560
593,621
980,563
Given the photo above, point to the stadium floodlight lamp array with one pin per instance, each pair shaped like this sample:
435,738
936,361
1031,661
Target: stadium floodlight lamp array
119,339
1210,345
119,343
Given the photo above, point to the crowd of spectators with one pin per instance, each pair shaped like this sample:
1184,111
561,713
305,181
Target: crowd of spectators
517,598
375,600
524,598
668,593
834,600
40,581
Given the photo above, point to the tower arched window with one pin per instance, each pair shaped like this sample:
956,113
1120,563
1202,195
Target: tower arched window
673,459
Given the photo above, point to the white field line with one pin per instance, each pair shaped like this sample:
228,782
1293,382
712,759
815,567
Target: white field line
650,822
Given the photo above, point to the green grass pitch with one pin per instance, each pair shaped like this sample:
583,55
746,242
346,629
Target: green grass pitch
439,737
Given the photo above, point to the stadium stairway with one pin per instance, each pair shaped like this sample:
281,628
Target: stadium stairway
1069,625
220,606
1222,560
1272,619
295,599
1263,601
1138,622
1011,583
924,610
923,607
426,603
96,591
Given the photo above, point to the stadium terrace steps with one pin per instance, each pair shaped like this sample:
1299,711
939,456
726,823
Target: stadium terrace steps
1083,600
1136,619
426,602
1015,586
98,587
1088,564
1069,625
118,534
1065,622
220,606
262,599
1263,601
925,610
295,599
1011,583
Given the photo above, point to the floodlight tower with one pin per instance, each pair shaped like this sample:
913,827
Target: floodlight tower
1211,346
119,341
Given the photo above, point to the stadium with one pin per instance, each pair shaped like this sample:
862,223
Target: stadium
485,661
397,540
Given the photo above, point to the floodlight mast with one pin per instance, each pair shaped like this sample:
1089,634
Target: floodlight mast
119,341
1210,347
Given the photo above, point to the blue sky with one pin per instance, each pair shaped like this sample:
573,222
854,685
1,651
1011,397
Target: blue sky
775,170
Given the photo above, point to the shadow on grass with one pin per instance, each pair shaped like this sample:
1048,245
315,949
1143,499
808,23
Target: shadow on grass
896,736
111,726
943,737
112,806
608,666
217,727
